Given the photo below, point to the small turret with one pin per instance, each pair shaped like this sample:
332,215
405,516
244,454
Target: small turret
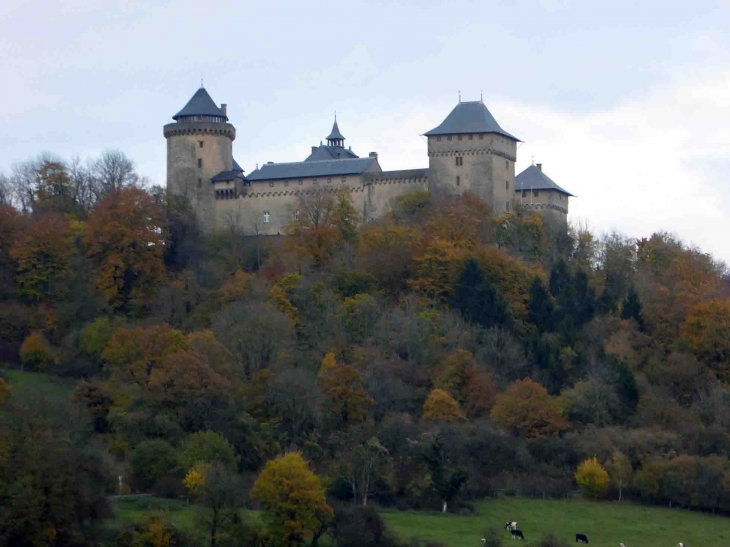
336,138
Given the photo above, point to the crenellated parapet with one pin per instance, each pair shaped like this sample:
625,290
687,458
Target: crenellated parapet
200,128
544,207
476,152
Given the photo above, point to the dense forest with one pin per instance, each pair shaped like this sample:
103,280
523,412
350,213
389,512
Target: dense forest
440,355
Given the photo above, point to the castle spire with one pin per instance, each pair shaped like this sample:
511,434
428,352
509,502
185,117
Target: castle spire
336,138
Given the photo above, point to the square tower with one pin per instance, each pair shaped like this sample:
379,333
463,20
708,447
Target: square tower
469,151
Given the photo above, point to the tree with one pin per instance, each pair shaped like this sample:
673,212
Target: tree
5,391
126,239
217,489
151,460
322,222
292,497
133,354
36,353
446,478
528,410
707,328
592,478
440,406
112,172
208,447
540,308
42,252
620,471
479,300
361,527
631,308
342,385
365,462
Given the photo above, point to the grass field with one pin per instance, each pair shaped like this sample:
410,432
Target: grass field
38,384
605,524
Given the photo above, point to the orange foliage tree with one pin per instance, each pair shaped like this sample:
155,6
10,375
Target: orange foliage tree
42,252
342,385
36,352
133,354
528,410
323,221
126,242
707,328
474,390
440,406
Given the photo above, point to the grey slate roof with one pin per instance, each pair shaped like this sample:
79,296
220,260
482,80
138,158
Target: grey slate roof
200,105
534,179
469,117
324,152
236,167
302,169
420,173
225,176
335,133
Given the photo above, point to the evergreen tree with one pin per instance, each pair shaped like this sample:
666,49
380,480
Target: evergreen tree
559,278
478,299
540,308
632,307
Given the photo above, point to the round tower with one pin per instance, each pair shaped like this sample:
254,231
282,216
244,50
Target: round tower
199,146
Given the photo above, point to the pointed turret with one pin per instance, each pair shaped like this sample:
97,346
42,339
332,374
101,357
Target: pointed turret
469,117
336,138
201,108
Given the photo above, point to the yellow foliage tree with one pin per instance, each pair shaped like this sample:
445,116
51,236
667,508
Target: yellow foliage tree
36,353
528,410
195,479
437,268
440,406
342,385
592,478
293,498
236,287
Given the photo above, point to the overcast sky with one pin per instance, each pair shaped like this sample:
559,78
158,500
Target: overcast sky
626,103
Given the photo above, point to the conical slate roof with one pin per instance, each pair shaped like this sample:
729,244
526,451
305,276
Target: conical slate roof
335,135
200,105
469,117
533,178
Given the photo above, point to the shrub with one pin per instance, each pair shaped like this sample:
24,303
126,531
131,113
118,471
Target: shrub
592,478
152,460
36,352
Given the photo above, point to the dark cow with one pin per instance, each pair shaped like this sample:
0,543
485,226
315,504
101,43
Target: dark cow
517,534
581,537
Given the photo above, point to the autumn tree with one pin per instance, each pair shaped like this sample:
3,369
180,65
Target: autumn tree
5,391
126,242
10,223
342,385
322,221
528,410
292,497
440,406
36,353
620,471
592,478
42,252
473,389
133,354
707,328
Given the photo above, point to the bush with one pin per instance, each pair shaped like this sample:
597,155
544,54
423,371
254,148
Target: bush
592,478
492,537
361,527
36,353
551,540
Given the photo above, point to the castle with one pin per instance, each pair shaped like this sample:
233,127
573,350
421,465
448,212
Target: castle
469,151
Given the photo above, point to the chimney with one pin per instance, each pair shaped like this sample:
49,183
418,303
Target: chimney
373,155
539,167
314,149
224,108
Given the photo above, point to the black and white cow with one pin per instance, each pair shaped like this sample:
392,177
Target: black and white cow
511,525
581,537
517,534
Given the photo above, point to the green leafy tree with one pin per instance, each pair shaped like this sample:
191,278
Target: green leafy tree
631,308
446,478
151,460
208,447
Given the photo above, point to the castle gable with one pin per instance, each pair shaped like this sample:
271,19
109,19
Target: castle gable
324,152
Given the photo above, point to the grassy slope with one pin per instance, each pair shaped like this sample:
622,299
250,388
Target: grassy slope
605,524
38,384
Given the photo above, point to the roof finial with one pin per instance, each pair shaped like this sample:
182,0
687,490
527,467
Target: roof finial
201,79
335,116
481,96
460,95
533,160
